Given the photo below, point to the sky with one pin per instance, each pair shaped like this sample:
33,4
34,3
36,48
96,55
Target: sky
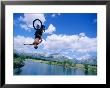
70,34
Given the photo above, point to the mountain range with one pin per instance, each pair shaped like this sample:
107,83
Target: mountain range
60,57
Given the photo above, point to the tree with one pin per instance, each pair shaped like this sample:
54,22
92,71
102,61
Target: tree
86,67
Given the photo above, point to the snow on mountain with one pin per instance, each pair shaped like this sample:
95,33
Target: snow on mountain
60,57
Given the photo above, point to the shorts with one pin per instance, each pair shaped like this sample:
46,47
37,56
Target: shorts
37,36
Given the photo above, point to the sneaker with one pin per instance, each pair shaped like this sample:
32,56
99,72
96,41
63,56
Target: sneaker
36,47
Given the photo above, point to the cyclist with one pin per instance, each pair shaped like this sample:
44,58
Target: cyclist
38,34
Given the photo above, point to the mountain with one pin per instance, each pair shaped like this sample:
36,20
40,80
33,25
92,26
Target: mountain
90,60
59,57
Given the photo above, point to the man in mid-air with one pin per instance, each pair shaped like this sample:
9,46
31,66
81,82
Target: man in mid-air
38,34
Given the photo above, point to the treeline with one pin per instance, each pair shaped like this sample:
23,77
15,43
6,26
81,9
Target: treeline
19,62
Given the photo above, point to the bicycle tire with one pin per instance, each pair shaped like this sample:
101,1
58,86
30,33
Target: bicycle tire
34,23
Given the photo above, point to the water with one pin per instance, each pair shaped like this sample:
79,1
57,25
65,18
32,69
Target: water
37,68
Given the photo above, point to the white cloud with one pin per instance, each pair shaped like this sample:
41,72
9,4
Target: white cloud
50,29
82,35
70,43
19,42
55,14
24,26
28,19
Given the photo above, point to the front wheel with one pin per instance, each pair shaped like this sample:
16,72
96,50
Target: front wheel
37,24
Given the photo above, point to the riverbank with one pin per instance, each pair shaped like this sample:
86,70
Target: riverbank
19,62
38,68
68,64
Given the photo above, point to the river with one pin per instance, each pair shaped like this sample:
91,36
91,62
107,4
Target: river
37,68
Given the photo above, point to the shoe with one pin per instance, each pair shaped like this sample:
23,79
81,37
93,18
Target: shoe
36,47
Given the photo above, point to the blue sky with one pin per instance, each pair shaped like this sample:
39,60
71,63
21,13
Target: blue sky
63,29
74,23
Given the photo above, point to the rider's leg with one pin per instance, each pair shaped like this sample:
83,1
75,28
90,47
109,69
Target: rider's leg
40,40
35,43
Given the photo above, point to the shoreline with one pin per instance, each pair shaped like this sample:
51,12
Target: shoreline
77,66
